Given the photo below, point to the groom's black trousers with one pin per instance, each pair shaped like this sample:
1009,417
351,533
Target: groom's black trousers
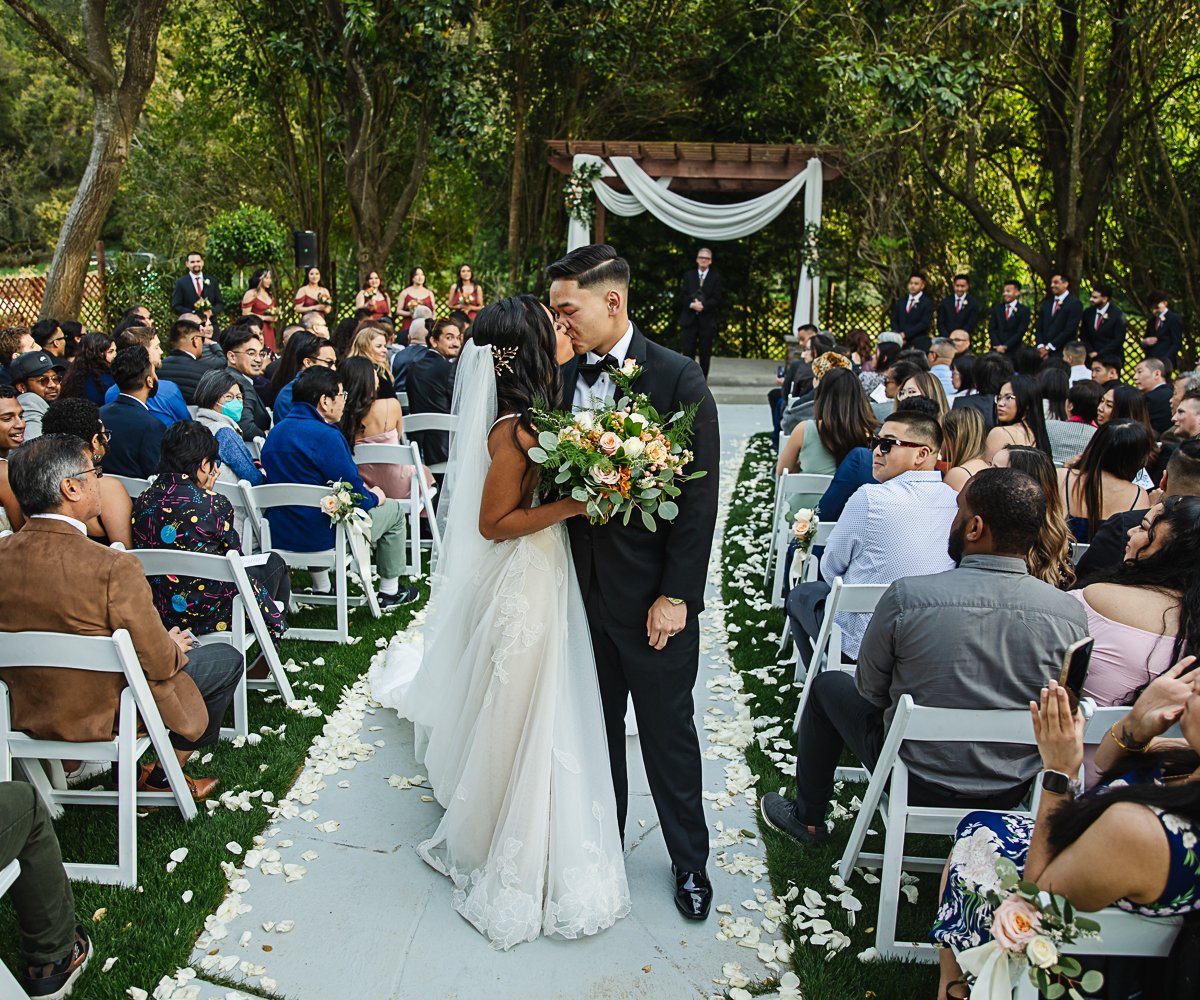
661,683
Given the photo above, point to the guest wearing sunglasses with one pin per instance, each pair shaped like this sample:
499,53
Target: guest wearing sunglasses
897,526
38,378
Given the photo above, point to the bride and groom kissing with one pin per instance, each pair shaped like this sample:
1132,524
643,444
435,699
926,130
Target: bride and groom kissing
542,625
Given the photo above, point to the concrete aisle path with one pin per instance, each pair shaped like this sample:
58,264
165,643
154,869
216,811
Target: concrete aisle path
372,921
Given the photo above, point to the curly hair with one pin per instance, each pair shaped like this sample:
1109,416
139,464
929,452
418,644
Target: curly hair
1050,558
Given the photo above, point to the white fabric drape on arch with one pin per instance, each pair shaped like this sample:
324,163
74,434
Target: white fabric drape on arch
701,220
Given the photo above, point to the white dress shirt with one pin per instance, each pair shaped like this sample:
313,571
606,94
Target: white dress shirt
601,391
77,525
886,531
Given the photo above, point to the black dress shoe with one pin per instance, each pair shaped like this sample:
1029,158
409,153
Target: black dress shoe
693,893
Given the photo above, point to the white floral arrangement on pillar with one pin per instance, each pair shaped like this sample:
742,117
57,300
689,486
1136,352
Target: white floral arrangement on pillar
578,195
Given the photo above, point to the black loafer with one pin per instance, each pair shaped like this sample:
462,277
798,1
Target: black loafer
780,815
693,893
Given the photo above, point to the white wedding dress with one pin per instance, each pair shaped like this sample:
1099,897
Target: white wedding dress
506,708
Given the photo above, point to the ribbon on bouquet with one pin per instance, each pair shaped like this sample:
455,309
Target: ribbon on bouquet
358,532
992,968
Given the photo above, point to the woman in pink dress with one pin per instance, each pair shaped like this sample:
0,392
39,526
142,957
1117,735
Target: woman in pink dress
465,294
259,302
312,296
372,296
416,294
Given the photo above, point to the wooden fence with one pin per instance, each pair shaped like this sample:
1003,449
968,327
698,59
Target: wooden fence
21,300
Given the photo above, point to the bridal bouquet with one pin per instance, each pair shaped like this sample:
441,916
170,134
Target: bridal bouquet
619,459
1029,931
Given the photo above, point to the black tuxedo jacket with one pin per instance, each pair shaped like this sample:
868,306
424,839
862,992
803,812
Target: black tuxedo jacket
1005,332
136,438
430,386
709,295
1158,405
183,295
625,568
1109,340
950,319
914,325
1168,336
1058,328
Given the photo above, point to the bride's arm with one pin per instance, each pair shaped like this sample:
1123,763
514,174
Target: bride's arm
501,514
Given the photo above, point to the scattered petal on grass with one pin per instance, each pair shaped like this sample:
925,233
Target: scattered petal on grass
108,964
268,984
245,938
100,914
268,926
136,994
187,896
179,854
329,826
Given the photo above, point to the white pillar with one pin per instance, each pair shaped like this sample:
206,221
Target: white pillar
578,233
808,293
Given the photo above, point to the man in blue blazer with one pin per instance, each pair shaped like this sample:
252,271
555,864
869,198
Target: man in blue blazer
136,434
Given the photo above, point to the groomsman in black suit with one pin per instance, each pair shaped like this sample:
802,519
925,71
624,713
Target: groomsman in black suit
1102,328
430,387
912,315
1164,331
959,311
193,286
1009,319
1058,316
699,298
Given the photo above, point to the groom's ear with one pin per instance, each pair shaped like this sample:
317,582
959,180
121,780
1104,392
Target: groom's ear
612,299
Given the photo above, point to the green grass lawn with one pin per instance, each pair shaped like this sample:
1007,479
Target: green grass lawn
150,930
754,629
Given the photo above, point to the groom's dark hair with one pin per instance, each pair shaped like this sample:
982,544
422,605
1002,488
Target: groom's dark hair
597,264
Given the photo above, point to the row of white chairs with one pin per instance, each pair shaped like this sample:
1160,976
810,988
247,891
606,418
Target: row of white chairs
788,485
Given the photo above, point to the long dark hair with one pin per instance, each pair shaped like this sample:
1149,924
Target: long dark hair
1029,409
257,277
1172,570
528,375
843,415
458,281
300,345
358,382
1130,403
1054,385
1120,448
991,372
89,365
1050,558
964,364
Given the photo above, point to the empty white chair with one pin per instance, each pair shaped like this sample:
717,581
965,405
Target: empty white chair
419,422
420,497
104,654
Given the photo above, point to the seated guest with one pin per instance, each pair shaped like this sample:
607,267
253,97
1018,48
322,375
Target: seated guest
845,421
305,352
886,352
1101,483
89,377
893,378
1019,418
1186,420
1127,843
14,341
88,589
1053,385
1075,354
12,436
962,374
1106,371
878,539
925,385
37,376
315,324
81,418
307,447
134,433
980,636
55,949
183,365
370,342
801,408
1150,378
941,353
246,355
167,402
218,409
179,510
417,348
855,470
212,357
990,372
962,446
1050,558
1107,549
430,387
1069,437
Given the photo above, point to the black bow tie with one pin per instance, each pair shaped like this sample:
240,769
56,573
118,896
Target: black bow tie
589,371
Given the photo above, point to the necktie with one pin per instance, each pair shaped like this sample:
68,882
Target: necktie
199,288
958,304
703,274
1055,309
1099,320
589,371
911,300
1158,325
1009,310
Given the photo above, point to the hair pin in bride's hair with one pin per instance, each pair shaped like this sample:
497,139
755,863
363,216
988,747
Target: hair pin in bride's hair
502,359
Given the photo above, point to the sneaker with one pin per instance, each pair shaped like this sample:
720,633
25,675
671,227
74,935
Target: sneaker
405,595
58,979
780,815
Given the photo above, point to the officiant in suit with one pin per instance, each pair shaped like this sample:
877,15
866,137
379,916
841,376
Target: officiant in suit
196,285
699,298
643,591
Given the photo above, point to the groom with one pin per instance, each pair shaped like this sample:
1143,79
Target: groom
643,591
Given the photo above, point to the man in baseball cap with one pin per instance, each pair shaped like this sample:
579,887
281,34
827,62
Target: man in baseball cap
37,376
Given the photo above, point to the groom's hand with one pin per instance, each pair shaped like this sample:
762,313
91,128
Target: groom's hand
664,620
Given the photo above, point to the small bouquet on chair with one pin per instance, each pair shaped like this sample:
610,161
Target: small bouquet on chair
1030,929
804,531
342,507
619,459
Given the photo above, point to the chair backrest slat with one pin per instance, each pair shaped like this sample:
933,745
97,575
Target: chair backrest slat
382,454
57,649
173,562
418,422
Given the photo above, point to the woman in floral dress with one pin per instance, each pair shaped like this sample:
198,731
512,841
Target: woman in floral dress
1129,843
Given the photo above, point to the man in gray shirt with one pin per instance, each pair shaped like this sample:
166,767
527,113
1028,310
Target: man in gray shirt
985,635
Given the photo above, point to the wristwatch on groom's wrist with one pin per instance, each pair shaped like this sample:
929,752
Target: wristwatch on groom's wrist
676,601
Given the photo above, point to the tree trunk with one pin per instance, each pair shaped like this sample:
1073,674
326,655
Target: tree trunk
516,192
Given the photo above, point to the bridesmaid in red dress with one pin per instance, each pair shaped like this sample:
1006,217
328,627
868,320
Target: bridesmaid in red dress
312,296
416,294
372,296
465,294
259,302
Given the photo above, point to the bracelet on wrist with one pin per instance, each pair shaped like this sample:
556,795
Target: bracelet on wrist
1128,748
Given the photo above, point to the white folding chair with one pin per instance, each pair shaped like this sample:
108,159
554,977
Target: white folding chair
246,527
133,486
9,988
255,447
103,654
918,724
786,486
827,648
260,499
1077,551
809,573
402,399
418,423
420,497
228,569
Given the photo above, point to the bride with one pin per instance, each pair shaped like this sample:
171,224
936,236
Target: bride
504,697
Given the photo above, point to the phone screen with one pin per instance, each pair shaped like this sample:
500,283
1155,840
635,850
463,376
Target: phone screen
1075,665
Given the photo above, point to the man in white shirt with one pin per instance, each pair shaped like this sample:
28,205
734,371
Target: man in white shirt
894,527
1075,354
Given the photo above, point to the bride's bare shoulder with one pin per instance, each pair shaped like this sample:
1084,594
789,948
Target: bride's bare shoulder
508,433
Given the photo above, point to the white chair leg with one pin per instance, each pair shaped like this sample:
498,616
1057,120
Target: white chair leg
127,846
35,774
893,861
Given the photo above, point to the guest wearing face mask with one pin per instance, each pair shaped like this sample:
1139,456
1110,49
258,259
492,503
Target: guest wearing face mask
220,405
